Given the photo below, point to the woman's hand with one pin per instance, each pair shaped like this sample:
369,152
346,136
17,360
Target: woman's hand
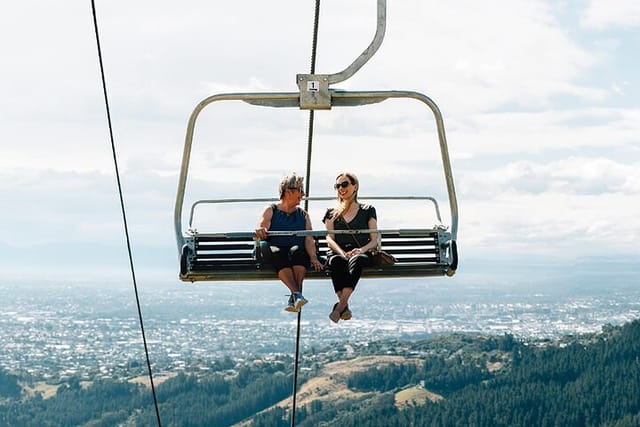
354,252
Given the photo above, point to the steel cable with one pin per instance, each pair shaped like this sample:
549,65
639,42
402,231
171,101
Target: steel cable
124,214
314,46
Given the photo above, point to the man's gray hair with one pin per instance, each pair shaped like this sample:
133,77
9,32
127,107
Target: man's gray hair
290,181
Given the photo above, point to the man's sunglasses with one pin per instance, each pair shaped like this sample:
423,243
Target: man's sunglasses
343,184
300,189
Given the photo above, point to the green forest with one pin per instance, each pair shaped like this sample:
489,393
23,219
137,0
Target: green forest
474,380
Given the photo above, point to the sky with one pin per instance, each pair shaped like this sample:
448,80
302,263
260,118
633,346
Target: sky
540,99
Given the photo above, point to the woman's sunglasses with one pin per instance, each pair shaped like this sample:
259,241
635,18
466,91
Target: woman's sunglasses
343,184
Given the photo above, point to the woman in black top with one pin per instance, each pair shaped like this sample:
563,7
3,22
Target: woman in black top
348,252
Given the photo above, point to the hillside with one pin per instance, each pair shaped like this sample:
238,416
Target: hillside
452,380
331,385
460,380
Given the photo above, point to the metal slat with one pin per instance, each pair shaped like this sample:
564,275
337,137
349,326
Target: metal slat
225,257
219,265
224,245
221,239
414,260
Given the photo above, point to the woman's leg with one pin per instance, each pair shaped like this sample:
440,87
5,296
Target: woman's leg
343,299
356,264
340,278
339,272
354,271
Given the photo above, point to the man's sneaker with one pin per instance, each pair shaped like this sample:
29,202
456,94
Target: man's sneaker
298,300
335,314
346,313
291,306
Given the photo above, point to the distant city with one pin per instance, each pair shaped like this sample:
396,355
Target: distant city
58,330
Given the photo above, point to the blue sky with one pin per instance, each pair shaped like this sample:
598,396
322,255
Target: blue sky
541,103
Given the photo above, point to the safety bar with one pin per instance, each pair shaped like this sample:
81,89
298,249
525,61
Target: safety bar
311,199
316,233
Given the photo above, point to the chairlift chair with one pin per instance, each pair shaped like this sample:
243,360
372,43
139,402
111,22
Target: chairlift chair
427,250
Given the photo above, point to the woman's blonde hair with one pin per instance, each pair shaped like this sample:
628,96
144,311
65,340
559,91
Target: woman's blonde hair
344,205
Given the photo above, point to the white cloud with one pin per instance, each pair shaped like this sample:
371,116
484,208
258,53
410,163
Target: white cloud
534,133
570,176
574,204
551,223
478,58
602,14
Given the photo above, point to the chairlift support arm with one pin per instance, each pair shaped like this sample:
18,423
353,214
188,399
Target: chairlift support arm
314,88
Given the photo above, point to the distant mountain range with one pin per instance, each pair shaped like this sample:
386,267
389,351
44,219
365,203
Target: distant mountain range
162,261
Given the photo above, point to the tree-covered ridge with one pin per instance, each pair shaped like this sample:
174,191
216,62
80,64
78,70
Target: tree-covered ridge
590,380
498,381
9,386
222,397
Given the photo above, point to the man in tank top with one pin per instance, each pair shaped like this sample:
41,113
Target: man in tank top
289,255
